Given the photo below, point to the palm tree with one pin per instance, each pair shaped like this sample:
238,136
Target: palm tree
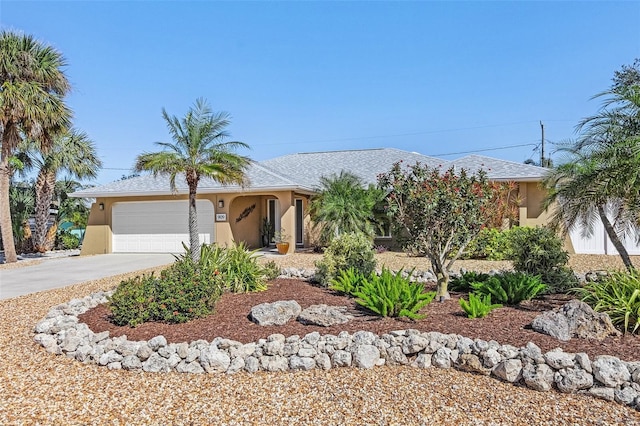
344,205
22,199
600,179
72,153
31,104
198,151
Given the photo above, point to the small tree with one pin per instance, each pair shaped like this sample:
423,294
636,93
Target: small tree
436,214
198,151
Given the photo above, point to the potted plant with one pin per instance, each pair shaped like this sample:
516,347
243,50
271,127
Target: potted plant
266,232
282,241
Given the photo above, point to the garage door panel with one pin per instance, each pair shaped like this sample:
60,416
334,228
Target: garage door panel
158,227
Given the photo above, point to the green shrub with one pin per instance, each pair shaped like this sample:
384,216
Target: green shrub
271,270
347,282
490,244
392,295
350,250
539,251
187,290
478,306
180,294
619,296
130,302
67,241
510,288
237,267
184,293
463,281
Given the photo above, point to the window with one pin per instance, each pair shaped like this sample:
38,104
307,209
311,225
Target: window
383,230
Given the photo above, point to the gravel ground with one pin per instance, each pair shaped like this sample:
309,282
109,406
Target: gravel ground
40,388
394,260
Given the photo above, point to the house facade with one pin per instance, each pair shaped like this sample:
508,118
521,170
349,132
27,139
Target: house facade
142,214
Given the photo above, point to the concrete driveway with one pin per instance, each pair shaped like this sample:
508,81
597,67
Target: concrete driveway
56,273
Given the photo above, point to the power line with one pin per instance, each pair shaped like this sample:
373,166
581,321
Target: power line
425,132
483,150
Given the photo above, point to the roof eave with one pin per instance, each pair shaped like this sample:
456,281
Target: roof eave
113,194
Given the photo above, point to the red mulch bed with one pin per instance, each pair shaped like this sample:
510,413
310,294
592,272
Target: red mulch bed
507,325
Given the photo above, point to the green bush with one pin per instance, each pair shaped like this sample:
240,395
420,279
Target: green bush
130,302
619,296
463,281
478,306
180,294
539,251
183,293
67,241
350,250
271,270
392,295
237,267
187,290
510,288
490,244
347,282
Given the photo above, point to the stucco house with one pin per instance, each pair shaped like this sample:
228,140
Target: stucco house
142,214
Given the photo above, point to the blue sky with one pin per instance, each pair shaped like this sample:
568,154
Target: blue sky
439,78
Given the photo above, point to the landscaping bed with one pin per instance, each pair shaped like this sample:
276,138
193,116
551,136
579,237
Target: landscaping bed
507,325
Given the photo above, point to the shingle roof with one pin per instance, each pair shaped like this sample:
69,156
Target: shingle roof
307,168
258,176
497,169
302,172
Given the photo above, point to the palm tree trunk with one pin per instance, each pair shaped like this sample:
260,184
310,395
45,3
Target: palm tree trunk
44,187
613,236
194,240
5,211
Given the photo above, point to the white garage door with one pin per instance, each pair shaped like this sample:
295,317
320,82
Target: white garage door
158,226
599,242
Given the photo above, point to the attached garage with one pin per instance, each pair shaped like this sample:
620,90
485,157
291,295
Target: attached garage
599,242
158,226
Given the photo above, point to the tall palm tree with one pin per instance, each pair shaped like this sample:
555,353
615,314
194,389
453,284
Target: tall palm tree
31,104
71,153
600,179
198,151
343,205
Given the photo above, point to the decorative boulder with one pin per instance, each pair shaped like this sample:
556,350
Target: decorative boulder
574,319
324,316
276,313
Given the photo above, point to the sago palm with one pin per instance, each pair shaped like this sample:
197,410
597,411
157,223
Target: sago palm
31,104
198,150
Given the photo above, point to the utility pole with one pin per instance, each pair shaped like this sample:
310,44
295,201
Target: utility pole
542,162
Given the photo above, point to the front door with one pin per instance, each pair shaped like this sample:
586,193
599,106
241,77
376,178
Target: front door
299,223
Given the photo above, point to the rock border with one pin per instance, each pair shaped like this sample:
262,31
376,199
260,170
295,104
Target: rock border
606,377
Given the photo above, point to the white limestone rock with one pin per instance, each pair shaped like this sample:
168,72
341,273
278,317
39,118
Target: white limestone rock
441,358
610,371
341,358
274,363
509,370
365,356
539,377
157,342
301,363
276,313
571,380
155,364
558,359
